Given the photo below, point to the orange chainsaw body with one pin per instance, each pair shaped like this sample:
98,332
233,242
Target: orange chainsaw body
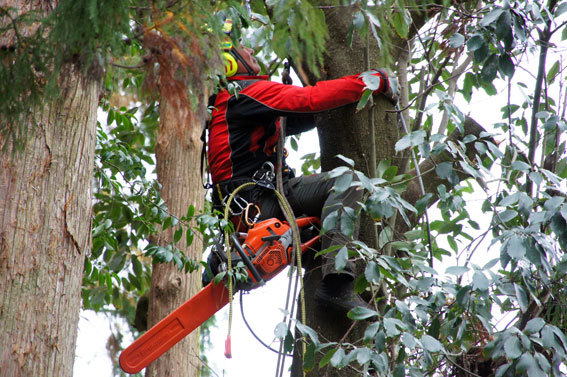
268,246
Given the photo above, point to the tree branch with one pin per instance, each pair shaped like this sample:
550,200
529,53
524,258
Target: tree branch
430,179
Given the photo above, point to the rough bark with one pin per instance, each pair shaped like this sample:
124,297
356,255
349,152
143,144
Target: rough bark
178,154
45,220
347,132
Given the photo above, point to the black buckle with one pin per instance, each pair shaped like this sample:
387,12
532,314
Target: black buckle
265,176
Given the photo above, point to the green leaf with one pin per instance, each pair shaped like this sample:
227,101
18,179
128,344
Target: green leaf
548,337
327,357
372,273
371,331
457,270
360,313
167,222
363,355
543,363
475,42
342,183
363,99
412,139
489,69
480,282
501,371
431,344
526,363
491,17
309,357
306,330
380,341
189,236
293,143
358,20
520,165
456,40
513,348
507,215
400,24
281,330
522,297
444,169
561,8
409,340
137,266
348,161
110,117
330,221
348,224
534,325
338,358
554,70
190,211
393,325
506,65
516,248
341,259
177,235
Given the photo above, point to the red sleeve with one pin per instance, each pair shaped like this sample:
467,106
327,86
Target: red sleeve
325,95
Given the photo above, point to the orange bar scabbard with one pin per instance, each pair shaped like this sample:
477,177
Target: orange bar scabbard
170,330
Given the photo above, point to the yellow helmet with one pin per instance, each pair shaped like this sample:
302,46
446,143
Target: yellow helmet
230,63
230,55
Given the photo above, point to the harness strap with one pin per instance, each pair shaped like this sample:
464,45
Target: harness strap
204,165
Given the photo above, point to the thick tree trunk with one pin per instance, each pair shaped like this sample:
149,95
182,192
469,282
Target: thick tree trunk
178,154
45,220
347,132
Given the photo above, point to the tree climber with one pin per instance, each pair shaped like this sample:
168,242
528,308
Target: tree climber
243,134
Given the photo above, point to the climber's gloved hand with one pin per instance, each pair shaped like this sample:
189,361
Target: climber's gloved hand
391,87
393,91
380,81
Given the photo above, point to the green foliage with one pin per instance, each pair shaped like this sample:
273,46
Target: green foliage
295,38
128,211
80,32
443,303
85,28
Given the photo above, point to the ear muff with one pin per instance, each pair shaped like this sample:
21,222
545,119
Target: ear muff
230,64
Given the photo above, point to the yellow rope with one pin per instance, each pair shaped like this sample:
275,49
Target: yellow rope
296,242
229,257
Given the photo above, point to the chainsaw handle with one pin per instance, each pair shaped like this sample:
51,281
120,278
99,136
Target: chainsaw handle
247,261
307,221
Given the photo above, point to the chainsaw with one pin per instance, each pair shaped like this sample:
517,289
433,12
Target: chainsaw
265,251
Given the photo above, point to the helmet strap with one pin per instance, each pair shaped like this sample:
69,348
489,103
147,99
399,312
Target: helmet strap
239,57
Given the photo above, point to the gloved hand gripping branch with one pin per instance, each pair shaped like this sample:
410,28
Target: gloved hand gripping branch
387,84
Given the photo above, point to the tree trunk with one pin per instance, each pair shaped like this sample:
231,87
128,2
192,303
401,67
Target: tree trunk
347,132
45,223
178,154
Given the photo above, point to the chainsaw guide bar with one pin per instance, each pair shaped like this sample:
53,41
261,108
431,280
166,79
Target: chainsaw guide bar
268,247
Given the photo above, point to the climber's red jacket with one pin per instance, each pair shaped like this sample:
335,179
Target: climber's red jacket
244,128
